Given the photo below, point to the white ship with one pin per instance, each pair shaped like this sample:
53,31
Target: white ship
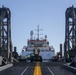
46,51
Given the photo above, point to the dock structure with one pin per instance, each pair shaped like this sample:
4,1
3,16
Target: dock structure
5,37
70,39
70,33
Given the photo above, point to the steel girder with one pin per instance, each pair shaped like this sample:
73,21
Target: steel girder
70,30
5,33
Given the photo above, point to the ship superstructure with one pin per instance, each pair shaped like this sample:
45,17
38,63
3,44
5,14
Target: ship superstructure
46,51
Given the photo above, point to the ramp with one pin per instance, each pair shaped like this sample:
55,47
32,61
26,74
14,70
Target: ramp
5,67
71,66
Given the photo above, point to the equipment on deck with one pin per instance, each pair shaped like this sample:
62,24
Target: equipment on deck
35,56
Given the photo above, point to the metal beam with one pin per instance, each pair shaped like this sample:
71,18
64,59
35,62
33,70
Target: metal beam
5,33
70,30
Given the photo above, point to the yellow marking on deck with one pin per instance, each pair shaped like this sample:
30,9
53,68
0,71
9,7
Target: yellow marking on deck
37,70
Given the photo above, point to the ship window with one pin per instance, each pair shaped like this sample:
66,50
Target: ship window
32,43
48,43
39,45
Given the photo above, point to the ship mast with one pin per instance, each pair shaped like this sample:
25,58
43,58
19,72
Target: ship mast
38,30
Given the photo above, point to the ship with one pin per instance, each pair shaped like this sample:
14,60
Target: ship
42,44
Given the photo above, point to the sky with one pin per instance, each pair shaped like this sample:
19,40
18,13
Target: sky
26,15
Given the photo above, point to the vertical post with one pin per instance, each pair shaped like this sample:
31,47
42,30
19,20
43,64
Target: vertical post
61,50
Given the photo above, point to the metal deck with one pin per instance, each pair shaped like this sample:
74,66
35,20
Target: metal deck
24,68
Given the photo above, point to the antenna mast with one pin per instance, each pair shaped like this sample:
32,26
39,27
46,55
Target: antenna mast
38,29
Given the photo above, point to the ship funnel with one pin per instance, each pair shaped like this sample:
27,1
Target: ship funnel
31,34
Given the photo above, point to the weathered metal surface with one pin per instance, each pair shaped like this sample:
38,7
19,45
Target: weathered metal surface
5,34
70,33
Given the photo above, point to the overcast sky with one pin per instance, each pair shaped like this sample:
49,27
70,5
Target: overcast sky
26,15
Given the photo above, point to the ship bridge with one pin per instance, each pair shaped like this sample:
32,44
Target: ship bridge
38,43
